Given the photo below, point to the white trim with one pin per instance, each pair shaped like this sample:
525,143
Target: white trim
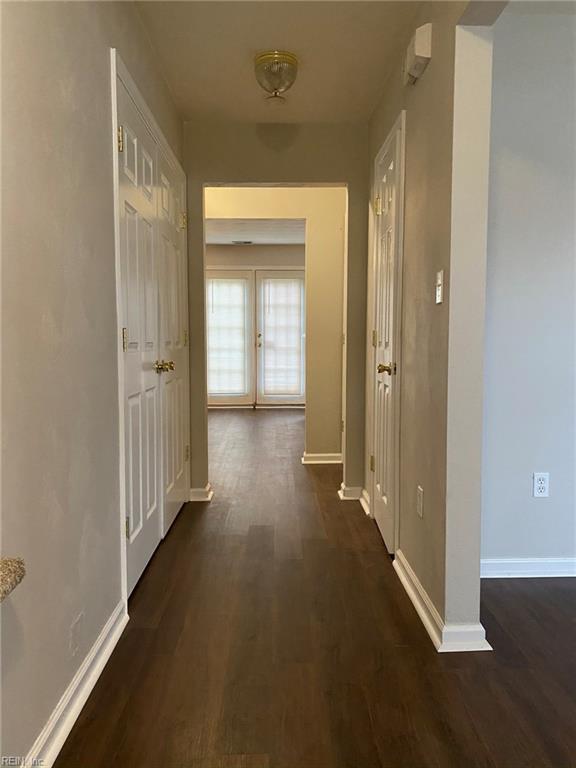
446,637
52,737
347,493
119,350
321,458
202,494
527,567
365,501
279,268
279,406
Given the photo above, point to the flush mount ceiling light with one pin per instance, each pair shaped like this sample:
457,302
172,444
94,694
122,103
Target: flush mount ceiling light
276,72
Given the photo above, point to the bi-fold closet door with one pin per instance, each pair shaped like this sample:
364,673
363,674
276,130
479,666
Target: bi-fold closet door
256,337
154,319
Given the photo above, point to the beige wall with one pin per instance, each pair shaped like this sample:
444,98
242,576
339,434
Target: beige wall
261,256
60,503
278,154
324,209
427,231
530,387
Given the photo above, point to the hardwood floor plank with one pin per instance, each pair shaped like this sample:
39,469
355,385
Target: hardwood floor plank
270,631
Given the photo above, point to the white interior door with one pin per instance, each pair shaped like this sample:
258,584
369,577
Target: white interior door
139,318
387,275
174,350
280,337
230,331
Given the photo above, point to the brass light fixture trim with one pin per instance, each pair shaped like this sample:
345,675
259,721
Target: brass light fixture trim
275,72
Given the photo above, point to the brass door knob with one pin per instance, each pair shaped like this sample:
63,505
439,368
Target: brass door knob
389,369
163,366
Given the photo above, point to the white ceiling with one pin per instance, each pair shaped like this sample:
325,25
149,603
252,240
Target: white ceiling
346,51
256,231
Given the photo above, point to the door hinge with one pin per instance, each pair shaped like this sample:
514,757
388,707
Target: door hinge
374,338
124,339
183,220
127,527
187,453
372,464
120,139
343,339
342,425
185,338
378,206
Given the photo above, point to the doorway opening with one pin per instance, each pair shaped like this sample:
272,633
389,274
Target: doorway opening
275,260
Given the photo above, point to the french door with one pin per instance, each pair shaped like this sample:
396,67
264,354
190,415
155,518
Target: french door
154,320
256,337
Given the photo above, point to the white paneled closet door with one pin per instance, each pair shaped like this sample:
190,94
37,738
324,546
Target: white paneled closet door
386,295
174,339
281,337
139,318
154,317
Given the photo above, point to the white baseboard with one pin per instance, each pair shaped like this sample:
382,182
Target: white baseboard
349,493
365,501
201,494
527,567
321,458
52,737
446,637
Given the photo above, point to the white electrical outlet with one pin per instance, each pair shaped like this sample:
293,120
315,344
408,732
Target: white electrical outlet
540,485
420,501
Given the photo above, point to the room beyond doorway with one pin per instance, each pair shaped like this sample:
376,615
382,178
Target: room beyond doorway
293,295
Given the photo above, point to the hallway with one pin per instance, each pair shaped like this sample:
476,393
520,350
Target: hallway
270,631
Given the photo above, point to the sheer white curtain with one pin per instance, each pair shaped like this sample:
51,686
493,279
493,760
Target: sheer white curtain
281,323
228,307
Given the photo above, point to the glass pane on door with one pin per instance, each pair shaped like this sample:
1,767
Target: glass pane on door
281,340
229,315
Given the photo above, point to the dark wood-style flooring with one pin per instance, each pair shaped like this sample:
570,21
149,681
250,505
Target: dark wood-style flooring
270,631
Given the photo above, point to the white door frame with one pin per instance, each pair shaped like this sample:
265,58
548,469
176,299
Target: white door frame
398,130
119,70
